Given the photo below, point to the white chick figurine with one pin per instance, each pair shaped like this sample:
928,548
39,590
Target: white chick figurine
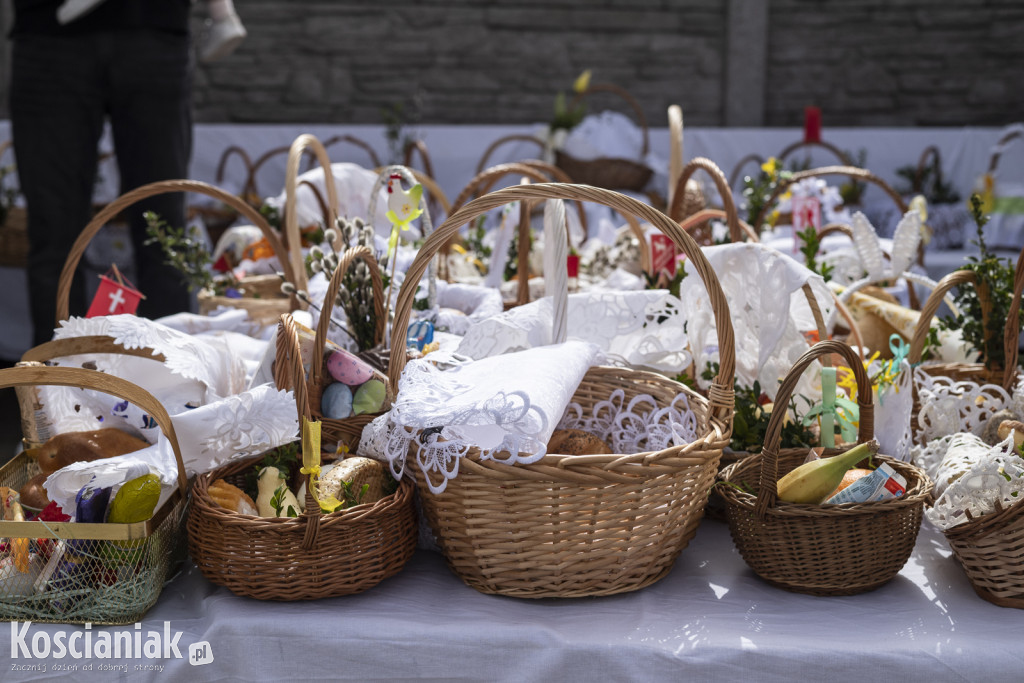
403,205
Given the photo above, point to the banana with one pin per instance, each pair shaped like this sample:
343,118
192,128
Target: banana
813,481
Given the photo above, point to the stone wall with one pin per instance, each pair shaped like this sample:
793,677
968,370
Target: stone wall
726,62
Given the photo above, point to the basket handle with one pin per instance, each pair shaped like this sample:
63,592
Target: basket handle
100,381
1016,133
1011,334
414,147
930,153
629,99
363,145
291,208
767,490
842,156
502,141
732,216
850,171
226,156
721,393
735,175
162,187
347,260
675,150
73,346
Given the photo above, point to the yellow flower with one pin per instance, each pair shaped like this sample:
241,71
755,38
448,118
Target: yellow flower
582,82
771,167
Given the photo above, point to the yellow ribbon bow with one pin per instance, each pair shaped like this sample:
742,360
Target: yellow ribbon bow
311,465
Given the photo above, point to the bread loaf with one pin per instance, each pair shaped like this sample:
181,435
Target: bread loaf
350,475
231,497
576,442
33,494
63,449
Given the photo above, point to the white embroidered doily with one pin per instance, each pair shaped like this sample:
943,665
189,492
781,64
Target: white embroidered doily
948,406
894,405
996,475
637,427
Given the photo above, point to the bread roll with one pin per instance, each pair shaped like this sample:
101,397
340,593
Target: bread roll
231,497
576,442
352,473
33,494
63,449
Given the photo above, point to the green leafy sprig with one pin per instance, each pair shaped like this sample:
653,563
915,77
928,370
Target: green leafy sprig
810,244
185,252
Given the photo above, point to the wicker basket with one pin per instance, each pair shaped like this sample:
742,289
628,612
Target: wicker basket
820,549
690,214
995,384
113,572
282,303
571,526
350,429
605,172
308,557
989,550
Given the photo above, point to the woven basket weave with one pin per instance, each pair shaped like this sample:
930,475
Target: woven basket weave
1005,377
350,429
991,551
259,305
308,557
571,526
820,549
121,567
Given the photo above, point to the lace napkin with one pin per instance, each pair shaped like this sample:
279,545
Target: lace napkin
769,313
506,406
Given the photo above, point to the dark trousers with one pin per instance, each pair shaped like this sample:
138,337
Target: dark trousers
62,90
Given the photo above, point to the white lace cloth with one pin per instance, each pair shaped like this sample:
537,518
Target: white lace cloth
635,427
948,406
507,404
201,385
641,328
990,475
769,313
463,305
894,405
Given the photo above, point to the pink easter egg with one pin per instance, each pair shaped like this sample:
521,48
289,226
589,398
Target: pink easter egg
347,368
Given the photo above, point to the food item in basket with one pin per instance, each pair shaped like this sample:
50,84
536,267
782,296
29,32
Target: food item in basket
231,497
851,476
369,398
1007,426
14,512
814,481
354,481
63,449
576,442
884,483
336,401
91,504
33,494
347,368
991,432
275,499
135,501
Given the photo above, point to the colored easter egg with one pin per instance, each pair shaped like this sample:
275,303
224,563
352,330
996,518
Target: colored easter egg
369,397
336,401
347,368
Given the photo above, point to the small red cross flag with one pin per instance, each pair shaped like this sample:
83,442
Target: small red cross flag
663,255
806,211
114,296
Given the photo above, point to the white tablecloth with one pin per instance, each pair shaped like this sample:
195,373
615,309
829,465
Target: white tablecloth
710,619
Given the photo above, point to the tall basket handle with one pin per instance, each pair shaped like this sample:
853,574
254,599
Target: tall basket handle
930,153
161,187
842,156
850,171
519,137
675,149
101,381
721,397
629,99
222,165
352,140
291,218
1011,334
767,489
735,175
732,216
1015,133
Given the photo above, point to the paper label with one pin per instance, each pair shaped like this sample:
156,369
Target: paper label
663,255
885,483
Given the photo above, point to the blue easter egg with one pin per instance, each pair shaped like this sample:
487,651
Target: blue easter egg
336,401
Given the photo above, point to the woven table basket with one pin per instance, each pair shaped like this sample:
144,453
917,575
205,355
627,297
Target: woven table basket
608,172
122,567
572,526
991,551
350,429
311,556
992,381
820,549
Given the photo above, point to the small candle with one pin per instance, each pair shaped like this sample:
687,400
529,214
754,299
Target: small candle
812,124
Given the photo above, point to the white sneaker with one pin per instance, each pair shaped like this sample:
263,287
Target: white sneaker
221,39
73,9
